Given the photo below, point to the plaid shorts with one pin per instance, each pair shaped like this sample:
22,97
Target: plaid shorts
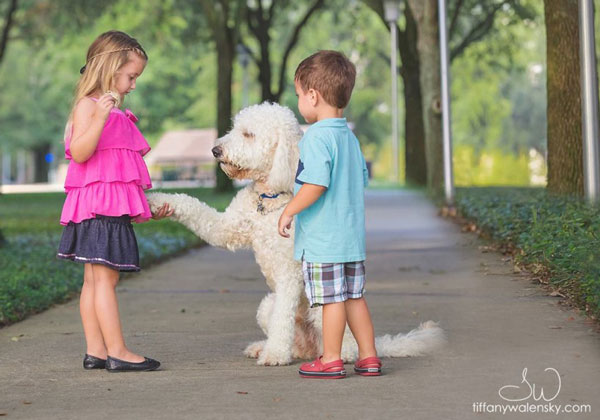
333,282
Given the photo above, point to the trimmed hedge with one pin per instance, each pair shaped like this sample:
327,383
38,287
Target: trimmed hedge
32,278
560,233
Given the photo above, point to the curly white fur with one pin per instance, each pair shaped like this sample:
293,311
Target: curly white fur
263,146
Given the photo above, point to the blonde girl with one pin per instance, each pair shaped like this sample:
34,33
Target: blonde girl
105,185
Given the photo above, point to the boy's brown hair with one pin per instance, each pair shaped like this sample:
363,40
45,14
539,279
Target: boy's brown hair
330,73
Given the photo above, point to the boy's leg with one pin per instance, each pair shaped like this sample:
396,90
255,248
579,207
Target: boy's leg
107,311
334,324
324,286
91,327
359,321
357,311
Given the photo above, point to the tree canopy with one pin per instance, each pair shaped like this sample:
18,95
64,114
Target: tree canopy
498,86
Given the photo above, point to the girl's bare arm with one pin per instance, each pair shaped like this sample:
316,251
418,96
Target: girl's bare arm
88,121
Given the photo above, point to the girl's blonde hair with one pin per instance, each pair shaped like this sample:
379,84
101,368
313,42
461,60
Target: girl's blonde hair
107,54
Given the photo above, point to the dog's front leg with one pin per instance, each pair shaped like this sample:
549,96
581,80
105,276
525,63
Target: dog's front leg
280,340
218,229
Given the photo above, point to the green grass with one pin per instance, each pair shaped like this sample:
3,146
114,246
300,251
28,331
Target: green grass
562,234
32,278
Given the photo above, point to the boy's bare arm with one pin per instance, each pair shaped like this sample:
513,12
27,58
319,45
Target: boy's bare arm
307,195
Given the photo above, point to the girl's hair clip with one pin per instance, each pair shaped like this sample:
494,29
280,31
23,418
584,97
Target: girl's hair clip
81,70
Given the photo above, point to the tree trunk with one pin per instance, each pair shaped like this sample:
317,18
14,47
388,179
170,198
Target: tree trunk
218,14
259,26
40,165
8,21
417,172
414,149
414,131
428,45
225,58
264,64
565,155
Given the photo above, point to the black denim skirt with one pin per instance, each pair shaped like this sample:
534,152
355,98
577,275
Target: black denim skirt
105,240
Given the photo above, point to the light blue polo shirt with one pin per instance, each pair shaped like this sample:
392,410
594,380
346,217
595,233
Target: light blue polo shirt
332,229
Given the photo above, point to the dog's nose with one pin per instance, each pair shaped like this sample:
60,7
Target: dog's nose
217,151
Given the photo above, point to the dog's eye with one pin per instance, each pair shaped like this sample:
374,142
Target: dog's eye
248,135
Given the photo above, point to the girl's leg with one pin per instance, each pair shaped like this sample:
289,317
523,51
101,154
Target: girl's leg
359,321
91,328
334,324
107,311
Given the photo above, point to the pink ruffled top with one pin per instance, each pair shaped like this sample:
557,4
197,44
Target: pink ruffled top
112,181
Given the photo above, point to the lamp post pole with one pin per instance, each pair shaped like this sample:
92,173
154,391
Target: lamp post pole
589,101
392,12
446,116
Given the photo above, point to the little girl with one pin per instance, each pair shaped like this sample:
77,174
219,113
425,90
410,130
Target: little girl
105,186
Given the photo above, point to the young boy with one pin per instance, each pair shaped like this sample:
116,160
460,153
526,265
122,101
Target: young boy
330,217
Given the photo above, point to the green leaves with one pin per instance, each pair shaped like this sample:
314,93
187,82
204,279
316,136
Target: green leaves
561,233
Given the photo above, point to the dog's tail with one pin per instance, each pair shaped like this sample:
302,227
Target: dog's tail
425,339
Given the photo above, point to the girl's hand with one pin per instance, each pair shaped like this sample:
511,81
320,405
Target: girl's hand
104,105
163,211
285,222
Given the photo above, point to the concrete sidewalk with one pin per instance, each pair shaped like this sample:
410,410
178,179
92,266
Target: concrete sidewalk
196,314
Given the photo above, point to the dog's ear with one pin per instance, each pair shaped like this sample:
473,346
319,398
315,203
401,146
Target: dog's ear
285,162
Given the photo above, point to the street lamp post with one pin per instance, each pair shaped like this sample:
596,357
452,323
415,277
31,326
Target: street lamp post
446,120
391,9
589,101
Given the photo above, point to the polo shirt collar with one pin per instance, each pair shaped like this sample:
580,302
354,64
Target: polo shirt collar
331,122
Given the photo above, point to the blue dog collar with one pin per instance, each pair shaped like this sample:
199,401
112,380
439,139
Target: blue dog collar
269,196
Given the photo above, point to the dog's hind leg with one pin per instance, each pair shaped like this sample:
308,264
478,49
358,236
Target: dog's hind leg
253,350
307,340
349,347
265,309
280,328
264,312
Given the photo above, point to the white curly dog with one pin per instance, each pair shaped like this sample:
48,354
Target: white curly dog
263,146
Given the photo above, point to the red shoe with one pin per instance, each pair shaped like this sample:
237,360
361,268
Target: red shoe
369,366
320,370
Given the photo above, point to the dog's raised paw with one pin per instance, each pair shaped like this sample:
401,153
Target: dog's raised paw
254,349
155,200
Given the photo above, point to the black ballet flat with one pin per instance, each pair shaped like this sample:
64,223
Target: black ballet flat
117,365
91,362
